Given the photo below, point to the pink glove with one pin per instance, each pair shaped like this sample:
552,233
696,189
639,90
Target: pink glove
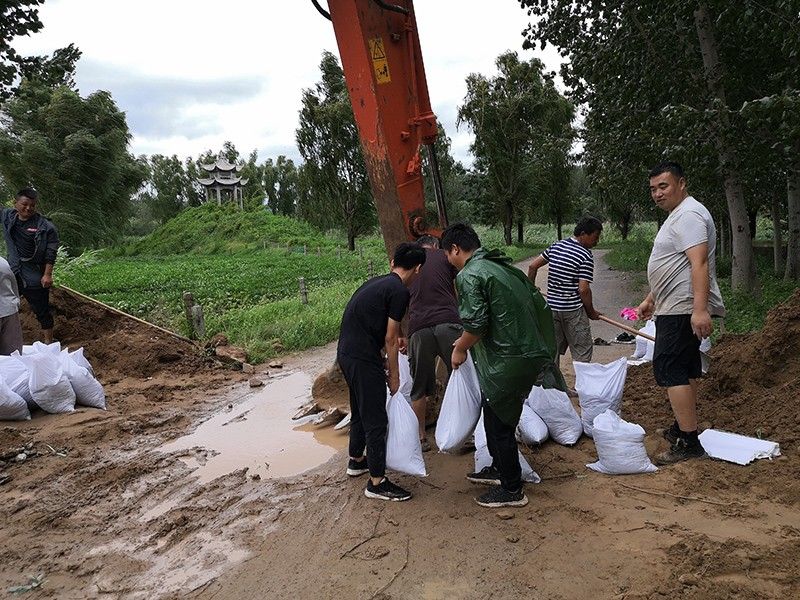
629,313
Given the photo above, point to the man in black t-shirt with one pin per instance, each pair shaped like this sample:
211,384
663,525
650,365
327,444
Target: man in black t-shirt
370,325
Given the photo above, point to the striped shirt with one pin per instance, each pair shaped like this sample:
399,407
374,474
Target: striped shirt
568,262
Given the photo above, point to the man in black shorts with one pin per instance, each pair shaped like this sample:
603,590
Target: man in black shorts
684,296
370,325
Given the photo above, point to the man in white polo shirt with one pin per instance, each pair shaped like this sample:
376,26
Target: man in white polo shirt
684,296
569,293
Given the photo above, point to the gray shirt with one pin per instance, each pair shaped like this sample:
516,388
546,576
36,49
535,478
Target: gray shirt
9,294
669,271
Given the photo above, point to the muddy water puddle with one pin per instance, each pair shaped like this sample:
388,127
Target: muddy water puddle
257,432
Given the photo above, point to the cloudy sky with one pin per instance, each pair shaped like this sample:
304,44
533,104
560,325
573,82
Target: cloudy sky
191,74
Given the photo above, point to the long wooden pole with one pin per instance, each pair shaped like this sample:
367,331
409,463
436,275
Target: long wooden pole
124,314
626,328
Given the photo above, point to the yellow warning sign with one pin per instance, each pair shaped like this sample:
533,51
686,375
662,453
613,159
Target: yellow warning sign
379,62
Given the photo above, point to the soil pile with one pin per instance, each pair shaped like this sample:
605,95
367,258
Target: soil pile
751,388
115,346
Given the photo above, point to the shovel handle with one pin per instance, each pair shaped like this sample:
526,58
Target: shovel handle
626,328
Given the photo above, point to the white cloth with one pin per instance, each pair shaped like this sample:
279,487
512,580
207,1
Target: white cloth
736,448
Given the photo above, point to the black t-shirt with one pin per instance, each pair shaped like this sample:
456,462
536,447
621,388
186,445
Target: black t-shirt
23,233
366,317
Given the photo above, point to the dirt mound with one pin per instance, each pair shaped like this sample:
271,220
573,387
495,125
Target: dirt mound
751,389
115,346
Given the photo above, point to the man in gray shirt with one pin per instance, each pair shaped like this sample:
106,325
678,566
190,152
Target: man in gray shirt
10,328
684,295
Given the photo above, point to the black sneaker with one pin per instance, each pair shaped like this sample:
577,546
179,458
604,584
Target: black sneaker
679,451
357,467
499,497
486,476
386,490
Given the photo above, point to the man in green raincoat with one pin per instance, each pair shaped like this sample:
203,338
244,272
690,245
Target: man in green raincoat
509,328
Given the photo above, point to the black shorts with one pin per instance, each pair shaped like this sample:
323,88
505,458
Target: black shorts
676,357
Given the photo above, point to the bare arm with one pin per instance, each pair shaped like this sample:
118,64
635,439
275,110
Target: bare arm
534,267
586,297
701,319
47,278
392,347
646,308
460,347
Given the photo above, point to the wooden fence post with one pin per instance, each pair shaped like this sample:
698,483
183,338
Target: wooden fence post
198,321
303,290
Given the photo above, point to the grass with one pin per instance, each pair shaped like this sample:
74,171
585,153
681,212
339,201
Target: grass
243,268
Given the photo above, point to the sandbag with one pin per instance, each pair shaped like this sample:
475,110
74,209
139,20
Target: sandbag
644,347
50,388
54,348
12,406
403,449
88,391
15,374
599,387
404,370
79,359
484,459
556,410
705,363
461,408
620,446
531,429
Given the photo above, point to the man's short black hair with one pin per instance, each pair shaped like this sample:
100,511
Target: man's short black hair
667,167
408,255
461,235
588,225
428,240
28,192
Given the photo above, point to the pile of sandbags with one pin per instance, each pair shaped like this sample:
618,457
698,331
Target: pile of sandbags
47,377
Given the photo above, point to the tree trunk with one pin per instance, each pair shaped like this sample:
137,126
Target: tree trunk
743,268
559,226
520,224
793,243
508,224
625,226
777,238
351,240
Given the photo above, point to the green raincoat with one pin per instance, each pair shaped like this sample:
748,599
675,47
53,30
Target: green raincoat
517,347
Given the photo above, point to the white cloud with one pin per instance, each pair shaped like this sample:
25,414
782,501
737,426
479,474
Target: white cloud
193,73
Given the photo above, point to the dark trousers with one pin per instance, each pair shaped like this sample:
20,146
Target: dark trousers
502,443
39,300
368,420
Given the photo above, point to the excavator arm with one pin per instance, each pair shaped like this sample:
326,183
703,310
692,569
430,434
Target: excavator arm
382,62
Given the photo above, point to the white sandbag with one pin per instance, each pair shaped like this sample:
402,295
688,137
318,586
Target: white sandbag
79,359
484,459
405,376
620,446
531,429
53,348
12,405
403,449
556,410
599,388
88,391
644,347
15,374
461,408
736,448
50,388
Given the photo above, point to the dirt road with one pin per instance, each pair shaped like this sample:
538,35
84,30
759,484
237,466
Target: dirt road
108,514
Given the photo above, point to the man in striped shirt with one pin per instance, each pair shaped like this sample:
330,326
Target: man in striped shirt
569,294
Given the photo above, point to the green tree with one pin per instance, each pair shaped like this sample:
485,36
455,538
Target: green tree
518,119
334,178
17,18
74,150
169,185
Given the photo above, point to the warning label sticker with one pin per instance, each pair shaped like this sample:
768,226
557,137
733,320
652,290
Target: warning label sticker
379,62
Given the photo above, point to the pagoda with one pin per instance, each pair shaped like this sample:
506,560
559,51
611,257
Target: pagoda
223,182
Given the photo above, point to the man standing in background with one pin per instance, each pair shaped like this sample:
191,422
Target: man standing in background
569,292
10,328
433,327
32,244
684,296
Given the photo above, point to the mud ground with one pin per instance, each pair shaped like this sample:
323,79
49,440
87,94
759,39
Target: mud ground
101,513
